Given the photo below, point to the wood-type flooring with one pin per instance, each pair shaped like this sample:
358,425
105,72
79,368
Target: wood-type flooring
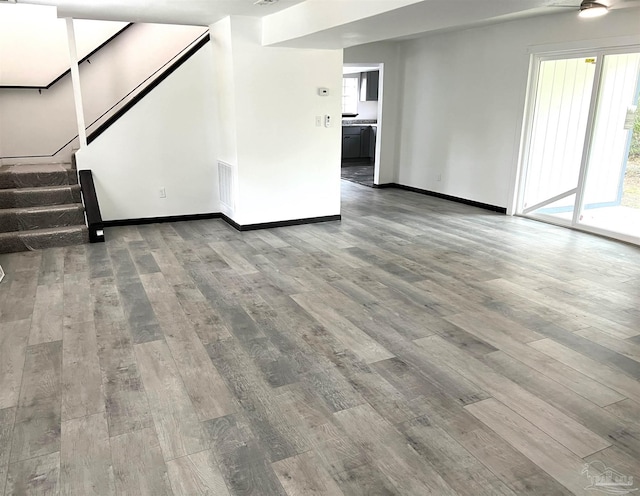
417,347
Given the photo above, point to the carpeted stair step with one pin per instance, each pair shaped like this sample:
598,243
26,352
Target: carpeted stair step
36,197
43,238
40,207
38,175
33,218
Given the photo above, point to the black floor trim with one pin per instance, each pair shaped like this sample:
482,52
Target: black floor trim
228,220
456,199
282,223
160,220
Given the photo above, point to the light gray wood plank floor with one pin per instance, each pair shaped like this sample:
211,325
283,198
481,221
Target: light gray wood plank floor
417,347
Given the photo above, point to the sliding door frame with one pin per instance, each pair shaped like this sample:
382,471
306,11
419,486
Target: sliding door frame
530,106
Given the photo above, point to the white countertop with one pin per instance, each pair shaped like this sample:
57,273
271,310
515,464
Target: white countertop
348,124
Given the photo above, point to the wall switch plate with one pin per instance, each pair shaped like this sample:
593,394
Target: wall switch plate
318,121
163,193
439,177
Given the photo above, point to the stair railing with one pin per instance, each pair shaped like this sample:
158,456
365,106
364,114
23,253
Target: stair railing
113,113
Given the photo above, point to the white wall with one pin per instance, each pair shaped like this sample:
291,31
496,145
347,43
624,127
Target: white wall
33,36
34,124
387,53
224,92
163,141
463,97
287,168
367,110
37,124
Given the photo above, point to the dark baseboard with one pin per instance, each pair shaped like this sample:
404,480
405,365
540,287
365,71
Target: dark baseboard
231,222
456,199
282,223
159,220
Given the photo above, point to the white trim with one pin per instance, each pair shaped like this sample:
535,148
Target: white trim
379,128
588,139
547,219
599,44
560,51
519,178
627,238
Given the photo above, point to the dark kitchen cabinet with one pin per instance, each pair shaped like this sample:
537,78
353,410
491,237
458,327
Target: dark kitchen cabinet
365,141
369,84
351,146
358,142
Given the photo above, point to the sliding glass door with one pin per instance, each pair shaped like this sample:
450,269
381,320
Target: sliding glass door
582,161
612,187
558,134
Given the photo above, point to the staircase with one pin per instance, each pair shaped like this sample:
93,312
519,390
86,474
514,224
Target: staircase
40,207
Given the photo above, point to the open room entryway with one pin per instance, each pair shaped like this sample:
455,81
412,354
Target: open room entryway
582,157
361,118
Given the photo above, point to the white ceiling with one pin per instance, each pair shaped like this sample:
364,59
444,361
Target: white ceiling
193,12
417,19
32,35
344,23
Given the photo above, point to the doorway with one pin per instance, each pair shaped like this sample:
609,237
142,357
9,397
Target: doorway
582,160
362,94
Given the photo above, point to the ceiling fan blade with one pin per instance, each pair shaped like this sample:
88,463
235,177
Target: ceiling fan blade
612,5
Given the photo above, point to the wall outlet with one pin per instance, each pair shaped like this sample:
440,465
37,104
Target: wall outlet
439,177
318,121
163,193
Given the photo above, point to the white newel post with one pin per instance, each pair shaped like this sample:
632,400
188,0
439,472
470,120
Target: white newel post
75,80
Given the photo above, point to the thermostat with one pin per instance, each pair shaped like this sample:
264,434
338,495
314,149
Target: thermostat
323,91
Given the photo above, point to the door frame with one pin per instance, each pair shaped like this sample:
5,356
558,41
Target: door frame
379,115
536,58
